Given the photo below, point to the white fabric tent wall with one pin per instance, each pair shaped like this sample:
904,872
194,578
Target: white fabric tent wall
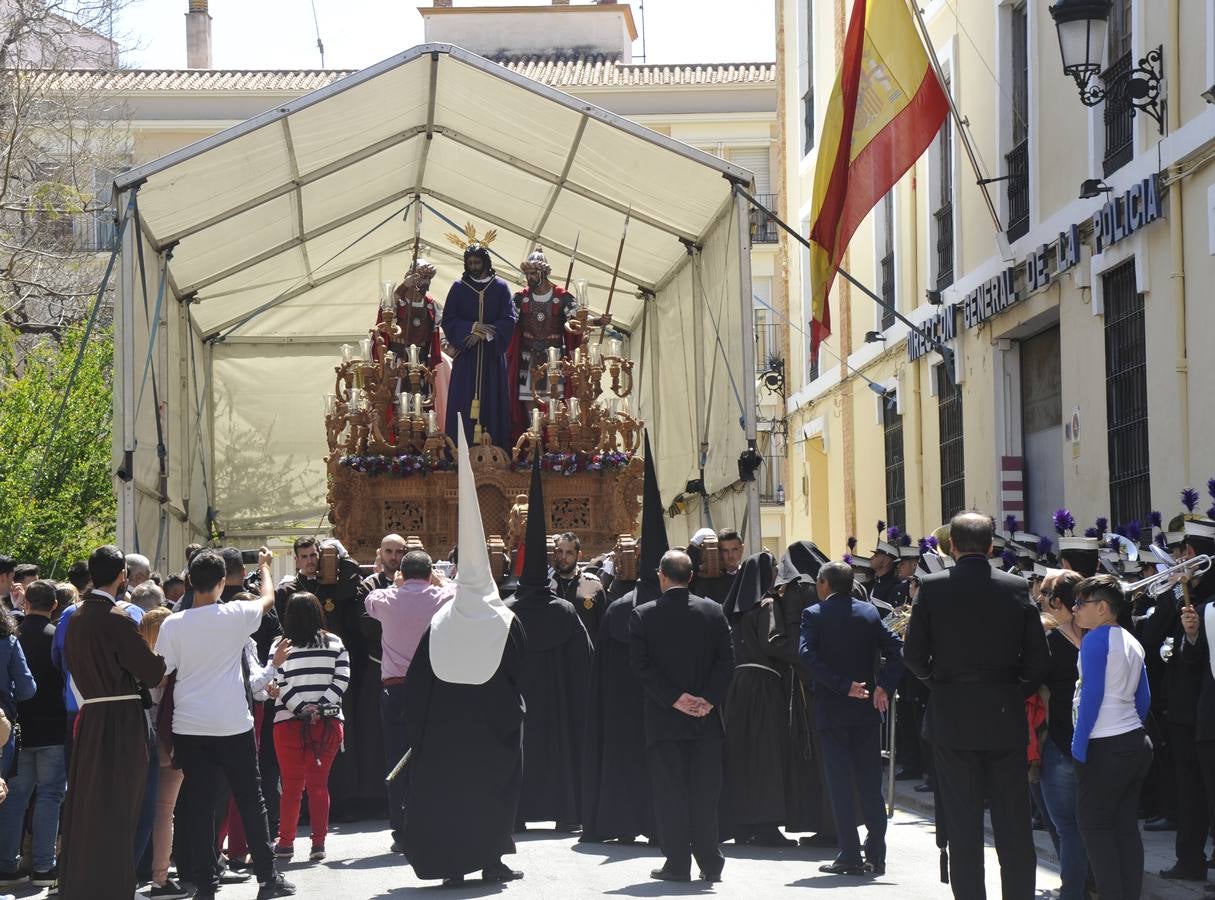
283,228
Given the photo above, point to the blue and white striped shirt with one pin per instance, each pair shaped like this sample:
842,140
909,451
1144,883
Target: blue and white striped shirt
316,674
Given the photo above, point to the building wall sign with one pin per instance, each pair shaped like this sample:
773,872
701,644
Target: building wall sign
1122,216
1117,220
990,298
940,328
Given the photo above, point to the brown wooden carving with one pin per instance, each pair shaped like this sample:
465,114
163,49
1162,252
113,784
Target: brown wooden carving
597,506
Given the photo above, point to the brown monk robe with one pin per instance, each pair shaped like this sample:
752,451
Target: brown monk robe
110,756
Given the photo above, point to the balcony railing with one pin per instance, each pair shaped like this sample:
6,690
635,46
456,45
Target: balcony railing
769,346
1119,115
1017,162
944,224
763,226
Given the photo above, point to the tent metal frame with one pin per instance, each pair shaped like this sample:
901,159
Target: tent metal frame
128,182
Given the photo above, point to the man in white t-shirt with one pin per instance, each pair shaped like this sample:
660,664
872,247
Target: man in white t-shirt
213,722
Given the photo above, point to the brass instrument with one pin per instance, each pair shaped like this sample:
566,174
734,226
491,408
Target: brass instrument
1165,581
899,619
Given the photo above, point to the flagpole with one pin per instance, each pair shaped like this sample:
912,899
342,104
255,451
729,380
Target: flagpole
938,346
962,130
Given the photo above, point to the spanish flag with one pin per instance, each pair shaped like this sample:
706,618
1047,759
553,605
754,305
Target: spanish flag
886,107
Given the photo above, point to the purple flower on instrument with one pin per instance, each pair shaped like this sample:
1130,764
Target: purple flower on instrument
1134,530
904,540
1103,524
1064,521
1010,522
933,542
923,546
894,534
1008,558
1189,498
1092,533
848,558
1044,545
1155,519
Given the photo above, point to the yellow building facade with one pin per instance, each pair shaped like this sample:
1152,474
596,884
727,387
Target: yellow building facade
1079,327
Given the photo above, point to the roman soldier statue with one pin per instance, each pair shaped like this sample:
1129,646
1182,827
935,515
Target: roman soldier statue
479,322
417,315
543,310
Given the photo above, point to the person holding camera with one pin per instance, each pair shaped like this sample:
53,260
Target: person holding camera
213,720
311,680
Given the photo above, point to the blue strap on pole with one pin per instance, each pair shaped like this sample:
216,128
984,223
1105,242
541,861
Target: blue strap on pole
460,228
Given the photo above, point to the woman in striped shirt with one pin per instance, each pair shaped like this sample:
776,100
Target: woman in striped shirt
307,719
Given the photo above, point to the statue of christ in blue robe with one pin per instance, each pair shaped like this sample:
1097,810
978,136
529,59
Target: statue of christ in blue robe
478,322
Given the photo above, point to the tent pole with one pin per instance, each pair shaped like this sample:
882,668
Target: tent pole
747,327
698,380
126,397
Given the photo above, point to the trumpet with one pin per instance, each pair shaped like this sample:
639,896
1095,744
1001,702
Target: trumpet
1164,581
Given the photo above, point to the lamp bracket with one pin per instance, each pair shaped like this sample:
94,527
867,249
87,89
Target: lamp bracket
1138,88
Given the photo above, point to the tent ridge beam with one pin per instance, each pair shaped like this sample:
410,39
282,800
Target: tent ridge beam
565,249
561,181
301,181
293,242
430,117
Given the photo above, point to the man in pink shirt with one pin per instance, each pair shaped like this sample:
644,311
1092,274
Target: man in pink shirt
404,612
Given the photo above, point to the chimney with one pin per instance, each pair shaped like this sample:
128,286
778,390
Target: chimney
198,36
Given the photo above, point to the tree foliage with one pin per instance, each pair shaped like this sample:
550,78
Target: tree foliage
57,499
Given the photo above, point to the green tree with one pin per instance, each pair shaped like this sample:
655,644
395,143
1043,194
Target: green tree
56,494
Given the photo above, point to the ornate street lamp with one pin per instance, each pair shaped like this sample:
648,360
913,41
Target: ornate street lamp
1082,26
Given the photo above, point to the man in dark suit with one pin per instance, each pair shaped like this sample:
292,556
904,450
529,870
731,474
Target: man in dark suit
679,647
841,638
977,640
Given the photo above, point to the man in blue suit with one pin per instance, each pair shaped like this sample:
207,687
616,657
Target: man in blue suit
841,639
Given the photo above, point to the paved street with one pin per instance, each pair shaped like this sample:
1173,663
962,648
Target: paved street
558,867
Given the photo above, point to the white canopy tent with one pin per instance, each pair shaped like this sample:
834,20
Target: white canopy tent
248,258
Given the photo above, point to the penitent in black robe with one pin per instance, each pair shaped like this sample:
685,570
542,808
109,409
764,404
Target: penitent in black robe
809,804
616,798
465,767
553,682
755,790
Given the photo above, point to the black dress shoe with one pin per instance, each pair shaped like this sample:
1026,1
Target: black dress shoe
665,874
904,774
924,788
1160,823
454,881
1177,873
500,872
877,867
713,878
844,868
567,827
770,837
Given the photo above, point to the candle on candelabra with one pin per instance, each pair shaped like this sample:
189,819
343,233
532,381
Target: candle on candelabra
596,356
614,347
330,404
554,356
581,291
413,354
552,409
358,377
387,290
417,404
347,352
355,397
365,347
390,359
432,422
575,410
577,356
623,408
536,421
